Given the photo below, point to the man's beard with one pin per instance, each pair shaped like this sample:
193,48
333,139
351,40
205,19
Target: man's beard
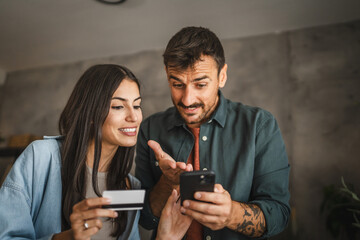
200,119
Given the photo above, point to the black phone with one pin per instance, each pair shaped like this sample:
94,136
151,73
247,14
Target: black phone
196,181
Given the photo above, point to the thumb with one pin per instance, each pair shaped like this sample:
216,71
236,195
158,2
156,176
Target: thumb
218,188
155,146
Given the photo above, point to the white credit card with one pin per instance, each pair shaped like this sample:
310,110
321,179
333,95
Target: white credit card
124,200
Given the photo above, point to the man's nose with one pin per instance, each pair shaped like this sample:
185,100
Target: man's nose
188,96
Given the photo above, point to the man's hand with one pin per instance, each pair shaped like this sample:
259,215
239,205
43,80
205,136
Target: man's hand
173,224
214,212
170,168
168,181
219,211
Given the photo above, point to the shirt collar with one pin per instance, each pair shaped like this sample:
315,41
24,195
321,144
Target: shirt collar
219,114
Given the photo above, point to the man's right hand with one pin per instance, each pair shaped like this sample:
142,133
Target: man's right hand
170,168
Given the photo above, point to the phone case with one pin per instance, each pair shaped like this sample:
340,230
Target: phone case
195,181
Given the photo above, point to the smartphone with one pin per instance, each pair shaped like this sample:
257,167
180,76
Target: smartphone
196,181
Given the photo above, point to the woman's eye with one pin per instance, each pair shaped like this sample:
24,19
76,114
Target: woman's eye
137,107
117,107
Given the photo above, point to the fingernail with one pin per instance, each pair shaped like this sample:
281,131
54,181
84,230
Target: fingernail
116,214
197,195
186,204
108,200
182,210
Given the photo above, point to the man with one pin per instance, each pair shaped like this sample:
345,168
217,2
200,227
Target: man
204,130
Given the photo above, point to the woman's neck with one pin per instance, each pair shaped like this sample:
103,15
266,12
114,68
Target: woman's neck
107,154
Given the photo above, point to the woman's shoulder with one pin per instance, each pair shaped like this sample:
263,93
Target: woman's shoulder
39,162
47,149
135,183
49,143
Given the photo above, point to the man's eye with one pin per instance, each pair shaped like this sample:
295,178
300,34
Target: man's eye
117,107
201,85
178,85
137,107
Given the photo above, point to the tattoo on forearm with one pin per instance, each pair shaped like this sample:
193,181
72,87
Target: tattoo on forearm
253,224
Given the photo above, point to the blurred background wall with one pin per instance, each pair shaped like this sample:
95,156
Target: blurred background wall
309,79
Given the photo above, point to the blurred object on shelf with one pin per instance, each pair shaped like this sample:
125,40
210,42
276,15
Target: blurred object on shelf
22,140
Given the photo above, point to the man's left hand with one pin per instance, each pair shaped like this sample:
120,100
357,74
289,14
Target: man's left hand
214,211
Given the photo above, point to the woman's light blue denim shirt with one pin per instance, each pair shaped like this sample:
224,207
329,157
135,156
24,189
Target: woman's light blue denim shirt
30,197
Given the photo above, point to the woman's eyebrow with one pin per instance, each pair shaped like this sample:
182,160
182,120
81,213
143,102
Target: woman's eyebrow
124,99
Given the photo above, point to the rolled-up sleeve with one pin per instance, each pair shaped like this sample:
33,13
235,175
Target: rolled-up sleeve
270,190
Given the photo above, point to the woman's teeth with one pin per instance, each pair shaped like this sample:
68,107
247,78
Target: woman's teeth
128,129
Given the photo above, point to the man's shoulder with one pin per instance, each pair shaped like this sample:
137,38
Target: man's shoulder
251,112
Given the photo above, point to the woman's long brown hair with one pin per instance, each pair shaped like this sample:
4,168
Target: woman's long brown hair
81,122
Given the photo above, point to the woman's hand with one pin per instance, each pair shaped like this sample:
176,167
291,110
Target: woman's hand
85,220
173,224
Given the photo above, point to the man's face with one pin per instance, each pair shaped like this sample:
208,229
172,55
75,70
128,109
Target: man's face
194,91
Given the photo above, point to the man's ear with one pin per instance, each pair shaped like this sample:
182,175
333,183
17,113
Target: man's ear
223,76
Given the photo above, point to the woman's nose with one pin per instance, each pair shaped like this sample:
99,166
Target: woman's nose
131,116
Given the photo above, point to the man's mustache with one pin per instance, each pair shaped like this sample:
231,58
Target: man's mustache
195,105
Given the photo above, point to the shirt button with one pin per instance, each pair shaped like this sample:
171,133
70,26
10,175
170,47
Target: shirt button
210,121
156,163
204,138
204,169
208,237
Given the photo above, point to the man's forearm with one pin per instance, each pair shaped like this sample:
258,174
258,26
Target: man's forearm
159,195
247,219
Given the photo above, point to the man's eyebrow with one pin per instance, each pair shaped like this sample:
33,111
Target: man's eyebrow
125,100
195,80
175,78
201,78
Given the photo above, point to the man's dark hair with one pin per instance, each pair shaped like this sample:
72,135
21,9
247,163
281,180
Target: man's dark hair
188,45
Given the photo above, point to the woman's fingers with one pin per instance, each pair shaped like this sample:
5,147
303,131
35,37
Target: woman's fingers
93,223
91,203
170,203
85,220
99,212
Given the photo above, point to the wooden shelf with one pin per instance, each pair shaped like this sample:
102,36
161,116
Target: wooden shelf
11,151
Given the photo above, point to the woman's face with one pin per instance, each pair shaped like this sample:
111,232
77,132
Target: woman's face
121,125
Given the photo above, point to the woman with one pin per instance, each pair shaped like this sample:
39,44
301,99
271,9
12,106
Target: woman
54,188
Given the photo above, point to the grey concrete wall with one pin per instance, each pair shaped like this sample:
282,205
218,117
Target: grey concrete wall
309,79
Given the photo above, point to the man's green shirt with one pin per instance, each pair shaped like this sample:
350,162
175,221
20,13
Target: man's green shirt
241,144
